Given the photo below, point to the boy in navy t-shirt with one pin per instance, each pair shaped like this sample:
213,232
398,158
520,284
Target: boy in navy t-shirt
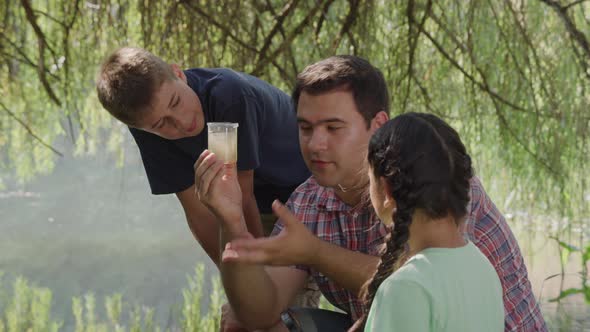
167,109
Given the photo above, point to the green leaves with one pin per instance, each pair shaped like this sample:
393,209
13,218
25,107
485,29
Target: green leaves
193,319
566,250
28,308
506,74
566,293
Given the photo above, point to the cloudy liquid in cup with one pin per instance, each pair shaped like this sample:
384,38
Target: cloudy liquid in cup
223,141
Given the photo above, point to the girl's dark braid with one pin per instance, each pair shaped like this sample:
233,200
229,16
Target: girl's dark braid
395,245
431,171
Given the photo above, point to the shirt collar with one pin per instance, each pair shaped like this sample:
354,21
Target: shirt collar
328,201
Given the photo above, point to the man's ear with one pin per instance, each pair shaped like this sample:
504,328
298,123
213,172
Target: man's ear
178,72
388,202
379,120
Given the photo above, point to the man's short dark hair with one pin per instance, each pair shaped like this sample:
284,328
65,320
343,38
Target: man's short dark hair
366,83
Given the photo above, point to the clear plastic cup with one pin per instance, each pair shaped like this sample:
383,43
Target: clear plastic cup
223,140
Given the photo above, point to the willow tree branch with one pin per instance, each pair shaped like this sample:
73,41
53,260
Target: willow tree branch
36,11
70,24
287,42
284,35
30,131
519,141
427,99
471,78
25,59
22,59
227,32
353,42
169,17
574,4
278,26
519,69
223,28
353,6
32,18
581,59
67,27
413,37
42,43
570,26
529,84
322,19
533,50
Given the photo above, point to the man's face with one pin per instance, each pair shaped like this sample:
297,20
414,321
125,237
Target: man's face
334,137
175,110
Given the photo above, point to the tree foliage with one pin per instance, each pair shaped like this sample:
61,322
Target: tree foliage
512,75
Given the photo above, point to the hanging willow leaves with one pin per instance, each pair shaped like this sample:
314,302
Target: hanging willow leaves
512,76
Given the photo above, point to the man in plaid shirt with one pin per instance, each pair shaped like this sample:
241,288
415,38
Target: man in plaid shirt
332,232
359,229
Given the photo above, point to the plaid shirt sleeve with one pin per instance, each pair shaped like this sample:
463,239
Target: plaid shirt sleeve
488,230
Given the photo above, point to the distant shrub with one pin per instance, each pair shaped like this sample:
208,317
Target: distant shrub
28,309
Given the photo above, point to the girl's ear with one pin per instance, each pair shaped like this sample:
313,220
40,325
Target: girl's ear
389,202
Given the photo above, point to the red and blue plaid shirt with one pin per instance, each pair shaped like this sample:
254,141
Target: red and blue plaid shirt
359,229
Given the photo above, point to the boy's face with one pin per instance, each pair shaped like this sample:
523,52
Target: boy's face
175,110
333,137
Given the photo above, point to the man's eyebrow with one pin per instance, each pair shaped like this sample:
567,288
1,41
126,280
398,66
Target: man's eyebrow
329,120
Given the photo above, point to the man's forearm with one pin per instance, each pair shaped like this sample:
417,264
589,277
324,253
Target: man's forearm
348,268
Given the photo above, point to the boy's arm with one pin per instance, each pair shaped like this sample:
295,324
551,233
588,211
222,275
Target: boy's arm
251,213
258,295
204,225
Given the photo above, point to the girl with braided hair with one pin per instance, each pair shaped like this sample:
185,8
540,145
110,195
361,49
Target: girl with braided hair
430,277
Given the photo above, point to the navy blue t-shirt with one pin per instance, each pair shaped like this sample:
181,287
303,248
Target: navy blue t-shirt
267,136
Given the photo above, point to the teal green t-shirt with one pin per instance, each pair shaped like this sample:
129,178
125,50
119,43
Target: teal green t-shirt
440,289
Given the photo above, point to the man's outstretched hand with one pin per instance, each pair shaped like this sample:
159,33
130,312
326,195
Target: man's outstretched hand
294,245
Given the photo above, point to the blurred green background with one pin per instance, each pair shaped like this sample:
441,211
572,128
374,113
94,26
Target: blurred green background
76,215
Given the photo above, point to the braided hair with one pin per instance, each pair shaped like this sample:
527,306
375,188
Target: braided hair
426,167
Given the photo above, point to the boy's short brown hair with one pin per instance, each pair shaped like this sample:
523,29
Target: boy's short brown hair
366,83
127,81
